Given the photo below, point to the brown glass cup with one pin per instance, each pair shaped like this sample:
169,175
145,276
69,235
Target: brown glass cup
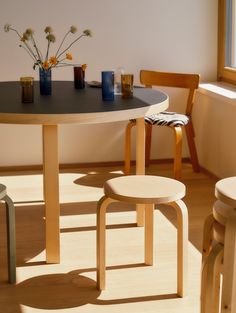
27,89
127,85
79,75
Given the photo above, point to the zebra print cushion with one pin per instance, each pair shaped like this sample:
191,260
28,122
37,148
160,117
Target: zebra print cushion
168,119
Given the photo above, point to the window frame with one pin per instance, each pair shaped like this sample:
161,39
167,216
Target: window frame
224,73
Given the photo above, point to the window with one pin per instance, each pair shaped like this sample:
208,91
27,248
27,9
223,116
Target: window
227,41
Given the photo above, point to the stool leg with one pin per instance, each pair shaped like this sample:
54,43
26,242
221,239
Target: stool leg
210,280
228,303
127,160
149,210
11,241
207,236
182,246
101,240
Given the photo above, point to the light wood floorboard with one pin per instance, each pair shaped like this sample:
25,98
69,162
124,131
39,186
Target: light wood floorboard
70,285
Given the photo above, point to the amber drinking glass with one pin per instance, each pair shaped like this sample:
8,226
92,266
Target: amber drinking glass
127,81
27,89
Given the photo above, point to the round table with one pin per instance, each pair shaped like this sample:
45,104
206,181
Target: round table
68,105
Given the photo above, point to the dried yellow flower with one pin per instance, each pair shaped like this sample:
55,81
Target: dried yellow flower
84,66
29,44
69,56
45,65
87,32
48,30
73,29
51,38
25,37
29,32
7,27
53,60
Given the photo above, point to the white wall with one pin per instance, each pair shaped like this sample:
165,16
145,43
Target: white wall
166,35
215,131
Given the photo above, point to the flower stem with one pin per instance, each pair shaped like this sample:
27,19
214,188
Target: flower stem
61,43
35,46
28,49
27,52
46,57
70,45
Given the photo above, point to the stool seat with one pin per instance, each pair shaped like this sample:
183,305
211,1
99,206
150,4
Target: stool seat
144,189
225,190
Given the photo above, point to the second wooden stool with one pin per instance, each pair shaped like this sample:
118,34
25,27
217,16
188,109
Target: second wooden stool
147,190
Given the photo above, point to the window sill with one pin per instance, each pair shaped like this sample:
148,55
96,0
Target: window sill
220,90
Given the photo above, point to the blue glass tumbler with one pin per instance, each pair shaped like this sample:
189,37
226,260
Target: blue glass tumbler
108,85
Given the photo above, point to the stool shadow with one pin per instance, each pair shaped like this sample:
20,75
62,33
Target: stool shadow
66,290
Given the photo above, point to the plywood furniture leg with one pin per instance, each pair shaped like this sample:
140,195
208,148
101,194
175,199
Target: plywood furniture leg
51,192
178,152
148,143
192,147
11,242
128,130
228,303
101,241
140,163
211,280
148,246
182,246
207,236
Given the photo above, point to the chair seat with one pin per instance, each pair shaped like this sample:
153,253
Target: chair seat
144,189
225,191
171,119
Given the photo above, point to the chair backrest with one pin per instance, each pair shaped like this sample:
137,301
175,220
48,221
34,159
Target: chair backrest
178,80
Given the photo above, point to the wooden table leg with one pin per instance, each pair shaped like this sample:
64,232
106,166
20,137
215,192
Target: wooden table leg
51,192
140,163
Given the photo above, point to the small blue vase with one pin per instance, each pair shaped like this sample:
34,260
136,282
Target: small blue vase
45,81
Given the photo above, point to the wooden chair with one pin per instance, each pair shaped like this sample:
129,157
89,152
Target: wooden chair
219,252
174,120
148,190
11,245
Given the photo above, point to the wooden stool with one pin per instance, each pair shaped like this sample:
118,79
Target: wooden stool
148,190
11,245
219,251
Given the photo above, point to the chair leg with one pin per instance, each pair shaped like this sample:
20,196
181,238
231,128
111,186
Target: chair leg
128,147
207,236
11,241
228,303
210,280
182,246
101,241
192,147
178,152
148,142
148,246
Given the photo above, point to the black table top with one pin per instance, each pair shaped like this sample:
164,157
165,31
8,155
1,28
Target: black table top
65,99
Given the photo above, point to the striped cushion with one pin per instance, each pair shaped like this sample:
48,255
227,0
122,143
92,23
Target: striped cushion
167,119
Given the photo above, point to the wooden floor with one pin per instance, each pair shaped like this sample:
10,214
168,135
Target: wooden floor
70,285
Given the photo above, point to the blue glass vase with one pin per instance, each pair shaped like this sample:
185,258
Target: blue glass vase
45,81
